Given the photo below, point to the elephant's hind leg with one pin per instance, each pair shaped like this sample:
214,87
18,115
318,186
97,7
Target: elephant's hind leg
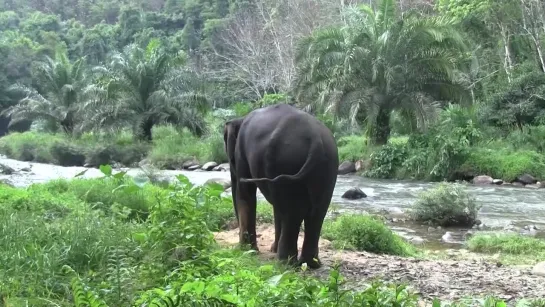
287,245
313,228
277,230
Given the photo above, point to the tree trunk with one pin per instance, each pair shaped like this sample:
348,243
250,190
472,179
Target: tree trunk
508,61
381,130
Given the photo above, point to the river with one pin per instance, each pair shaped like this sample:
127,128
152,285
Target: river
501,205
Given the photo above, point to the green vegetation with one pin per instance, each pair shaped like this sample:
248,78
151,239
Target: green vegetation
446,205
515,244
509,248
116,241
365,233
442,92
453,91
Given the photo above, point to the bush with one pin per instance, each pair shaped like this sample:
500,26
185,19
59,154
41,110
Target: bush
127,201
172,148
352,147
42,231
387,161
365,233
60,248
504,163
509,243
447,204
29,146
66,154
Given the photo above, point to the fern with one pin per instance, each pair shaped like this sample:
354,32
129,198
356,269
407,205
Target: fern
82,296
120,274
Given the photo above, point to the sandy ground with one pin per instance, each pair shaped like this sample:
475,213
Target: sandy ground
444,279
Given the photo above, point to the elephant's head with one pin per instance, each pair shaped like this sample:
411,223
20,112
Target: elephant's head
230,134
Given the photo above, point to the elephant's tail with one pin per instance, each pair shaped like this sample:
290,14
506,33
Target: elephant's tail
315,151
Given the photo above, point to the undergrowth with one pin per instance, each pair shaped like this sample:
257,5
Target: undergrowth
365,233
120,241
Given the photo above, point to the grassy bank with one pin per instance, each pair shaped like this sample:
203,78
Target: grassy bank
115,241
169,149
511,248
456,147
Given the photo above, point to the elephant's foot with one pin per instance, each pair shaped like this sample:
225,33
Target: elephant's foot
312,262
247,239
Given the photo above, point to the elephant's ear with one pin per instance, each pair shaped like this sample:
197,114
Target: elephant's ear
230,135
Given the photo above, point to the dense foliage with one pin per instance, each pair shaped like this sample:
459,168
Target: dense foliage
121,241
447,91
412,90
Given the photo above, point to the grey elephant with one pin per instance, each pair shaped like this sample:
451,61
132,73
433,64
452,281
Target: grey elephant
293,159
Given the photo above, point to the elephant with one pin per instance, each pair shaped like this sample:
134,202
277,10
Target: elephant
293,159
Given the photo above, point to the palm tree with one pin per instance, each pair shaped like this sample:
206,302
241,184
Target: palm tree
377,63
143,88
58,97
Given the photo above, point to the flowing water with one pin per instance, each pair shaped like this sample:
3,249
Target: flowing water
501,205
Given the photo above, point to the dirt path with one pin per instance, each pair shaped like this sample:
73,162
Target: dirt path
444,279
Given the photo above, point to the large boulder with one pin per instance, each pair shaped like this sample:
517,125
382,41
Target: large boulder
224,167
354,193
497,181
194,167
526,179
347,167
208,166
6,169
483,180
189,163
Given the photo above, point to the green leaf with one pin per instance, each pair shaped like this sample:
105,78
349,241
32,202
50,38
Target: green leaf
106,170
277,279
141,181
119,175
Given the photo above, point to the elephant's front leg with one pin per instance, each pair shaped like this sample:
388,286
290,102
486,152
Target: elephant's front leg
246,209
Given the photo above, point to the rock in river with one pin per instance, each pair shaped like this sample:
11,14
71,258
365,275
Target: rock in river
347,167
194,167
526,179
483,180
354,193
6,170
208,166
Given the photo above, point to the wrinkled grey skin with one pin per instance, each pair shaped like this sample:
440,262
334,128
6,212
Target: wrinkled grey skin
293,159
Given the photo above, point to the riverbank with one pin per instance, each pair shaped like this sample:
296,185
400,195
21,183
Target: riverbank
512,159
504,208
469,275
64,238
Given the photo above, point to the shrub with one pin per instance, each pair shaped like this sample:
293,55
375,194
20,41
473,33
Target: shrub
215,148
172,148
504,163
352,147
66,154
365,233
104,195
509,243
29,146
387,161
43,231
447,204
